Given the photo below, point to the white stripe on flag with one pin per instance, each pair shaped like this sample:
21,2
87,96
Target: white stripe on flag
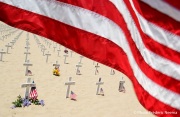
165,8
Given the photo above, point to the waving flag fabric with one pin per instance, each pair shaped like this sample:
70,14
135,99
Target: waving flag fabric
140,38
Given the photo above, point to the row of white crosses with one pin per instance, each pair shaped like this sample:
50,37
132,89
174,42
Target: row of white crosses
7,52
27,63
43,48
70,82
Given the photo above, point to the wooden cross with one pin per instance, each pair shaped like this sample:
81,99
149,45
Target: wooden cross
98,85
47,56
28,85
112,72
56,64
26,55
65,59
69,83
27,64
96,71
2,52
78,71
80,59
8,47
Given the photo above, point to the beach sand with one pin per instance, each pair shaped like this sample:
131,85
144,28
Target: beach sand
52,88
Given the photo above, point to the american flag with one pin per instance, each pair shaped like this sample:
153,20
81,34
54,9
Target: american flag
73,96
33,93
140,38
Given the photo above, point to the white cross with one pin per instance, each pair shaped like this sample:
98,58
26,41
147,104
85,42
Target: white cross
56,64
71,52
26,55
47,56
8,47
121,86
38,44
69,83
80,59
98,85
78,71
65,59
2,52
49,45
54,48
27,64
42,47
43,50
27,43
96,71
27,48
58,51
28,85
12,43
112,72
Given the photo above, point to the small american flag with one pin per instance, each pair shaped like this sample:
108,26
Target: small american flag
33,93
73,96
29,73
66,51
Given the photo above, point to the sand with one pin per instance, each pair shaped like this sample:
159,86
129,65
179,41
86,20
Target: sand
52,89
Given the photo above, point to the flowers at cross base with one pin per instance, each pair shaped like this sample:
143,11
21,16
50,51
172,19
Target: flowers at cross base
23,102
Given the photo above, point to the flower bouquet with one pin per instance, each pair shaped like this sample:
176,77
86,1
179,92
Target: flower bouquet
23,102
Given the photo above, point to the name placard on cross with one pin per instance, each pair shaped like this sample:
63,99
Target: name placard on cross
2,52
28,85
69,83
98,85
